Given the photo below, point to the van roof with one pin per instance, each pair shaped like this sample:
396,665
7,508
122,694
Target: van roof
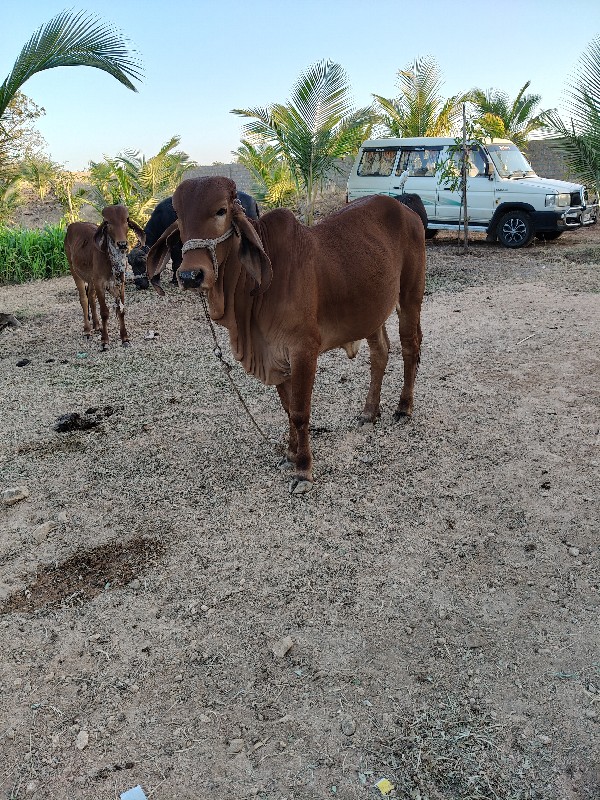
424,141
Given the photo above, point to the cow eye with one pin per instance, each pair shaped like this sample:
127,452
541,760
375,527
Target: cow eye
221,212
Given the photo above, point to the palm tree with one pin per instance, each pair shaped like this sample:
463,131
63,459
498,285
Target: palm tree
499,117
313,130
273,182
71,40
138,182
39,173
580,140
419,110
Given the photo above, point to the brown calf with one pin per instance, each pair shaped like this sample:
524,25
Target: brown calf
287,293
97,256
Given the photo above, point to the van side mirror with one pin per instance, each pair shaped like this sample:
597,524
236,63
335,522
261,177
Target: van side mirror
489,170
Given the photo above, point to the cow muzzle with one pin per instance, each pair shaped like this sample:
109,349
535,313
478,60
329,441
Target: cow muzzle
190,278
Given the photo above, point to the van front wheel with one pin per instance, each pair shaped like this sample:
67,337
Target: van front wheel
514,229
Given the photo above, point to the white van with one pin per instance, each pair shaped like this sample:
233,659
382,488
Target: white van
505,198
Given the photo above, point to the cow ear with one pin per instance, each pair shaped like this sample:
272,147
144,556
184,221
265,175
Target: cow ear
159,254
100,237
138,232
252,253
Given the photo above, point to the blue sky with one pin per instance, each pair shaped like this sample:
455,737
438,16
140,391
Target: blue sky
201,59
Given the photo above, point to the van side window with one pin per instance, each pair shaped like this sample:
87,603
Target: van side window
477,162
377,162
418,163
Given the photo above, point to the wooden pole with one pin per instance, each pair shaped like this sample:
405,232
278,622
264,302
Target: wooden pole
465,174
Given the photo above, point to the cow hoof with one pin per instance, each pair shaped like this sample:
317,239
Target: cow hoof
104,347
405,416
364,419
298,486
285,464
126,344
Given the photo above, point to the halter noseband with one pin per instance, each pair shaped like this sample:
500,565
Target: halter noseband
211,245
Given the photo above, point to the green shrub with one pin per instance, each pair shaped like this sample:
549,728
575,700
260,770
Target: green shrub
27,255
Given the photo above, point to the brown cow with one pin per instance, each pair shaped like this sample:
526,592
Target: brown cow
97,256
287,293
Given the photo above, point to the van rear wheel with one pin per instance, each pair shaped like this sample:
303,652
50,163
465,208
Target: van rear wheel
515,229
431,234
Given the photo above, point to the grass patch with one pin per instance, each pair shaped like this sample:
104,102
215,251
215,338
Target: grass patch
27,255
453,751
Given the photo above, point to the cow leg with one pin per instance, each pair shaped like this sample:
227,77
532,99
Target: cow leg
410,338
379,348
104,315
120,309
289,459
91,293
84,301
303,368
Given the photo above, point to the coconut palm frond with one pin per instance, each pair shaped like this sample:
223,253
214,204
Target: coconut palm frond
579,139
72,40
311,130
419,110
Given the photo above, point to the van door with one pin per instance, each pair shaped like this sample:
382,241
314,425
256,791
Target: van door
480,193
374,171
415,174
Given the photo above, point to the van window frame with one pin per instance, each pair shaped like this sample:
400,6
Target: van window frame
368,150
405,156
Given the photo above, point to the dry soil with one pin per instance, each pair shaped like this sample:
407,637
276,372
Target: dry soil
427,618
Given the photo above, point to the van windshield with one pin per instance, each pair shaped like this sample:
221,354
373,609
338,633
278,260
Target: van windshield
509,161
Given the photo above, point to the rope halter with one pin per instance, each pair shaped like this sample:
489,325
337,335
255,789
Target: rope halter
211,245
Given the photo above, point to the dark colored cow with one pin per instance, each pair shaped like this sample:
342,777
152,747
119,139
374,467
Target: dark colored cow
161,218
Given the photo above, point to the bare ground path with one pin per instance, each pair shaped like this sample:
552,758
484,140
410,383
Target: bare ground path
438,590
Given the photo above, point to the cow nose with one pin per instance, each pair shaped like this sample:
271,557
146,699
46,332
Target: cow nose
190,279
122,246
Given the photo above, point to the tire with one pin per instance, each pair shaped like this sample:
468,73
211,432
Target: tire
430,234
514,229
549,236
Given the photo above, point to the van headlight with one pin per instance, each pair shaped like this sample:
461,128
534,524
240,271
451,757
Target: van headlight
562,200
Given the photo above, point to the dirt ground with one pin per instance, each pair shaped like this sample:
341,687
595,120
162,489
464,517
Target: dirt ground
427,618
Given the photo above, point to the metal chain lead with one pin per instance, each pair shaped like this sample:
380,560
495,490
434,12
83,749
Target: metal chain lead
228,367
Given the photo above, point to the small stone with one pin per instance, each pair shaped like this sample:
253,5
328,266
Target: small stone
62,517
474,640
348,726
10,733
283,646
42,531
573,551
545,740
235,746
12,496
135,584
591,713
32,787
82,740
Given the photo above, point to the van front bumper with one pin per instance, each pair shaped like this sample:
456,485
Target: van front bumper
579,217
546,221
